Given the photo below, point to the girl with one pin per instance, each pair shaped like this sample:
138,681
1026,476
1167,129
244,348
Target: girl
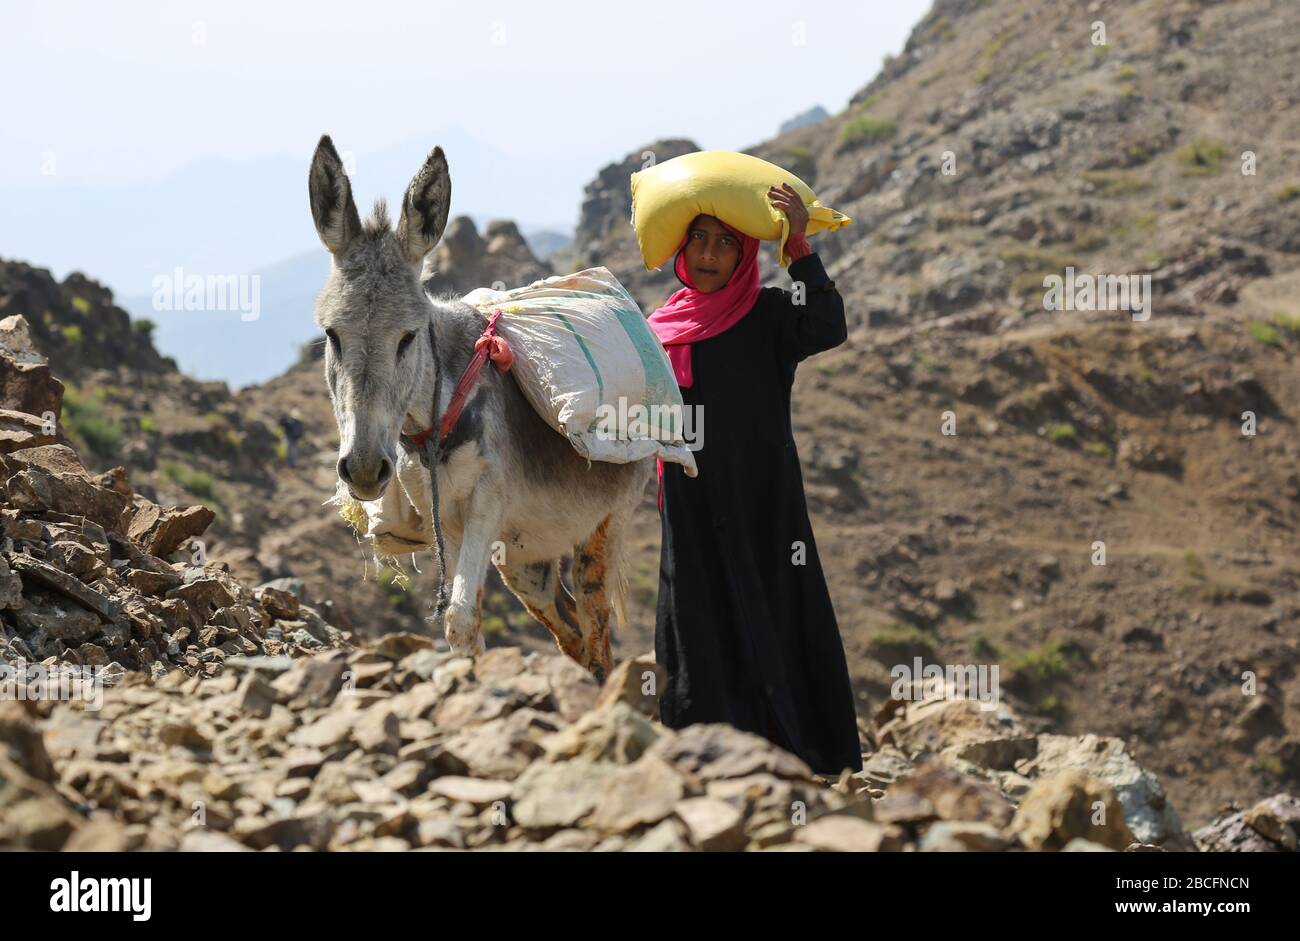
744,625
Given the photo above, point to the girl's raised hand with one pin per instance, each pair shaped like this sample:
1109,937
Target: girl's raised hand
788,201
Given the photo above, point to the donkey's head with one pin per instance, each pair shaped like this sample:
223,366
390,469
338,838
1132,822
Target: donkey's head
373,311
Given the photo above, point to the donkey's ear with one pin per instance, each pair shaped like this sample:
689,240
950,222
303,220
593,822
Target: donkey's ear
424,209
332,208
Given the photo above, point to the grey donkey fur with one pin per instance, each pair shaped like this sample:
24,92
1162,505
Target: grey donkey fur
508,488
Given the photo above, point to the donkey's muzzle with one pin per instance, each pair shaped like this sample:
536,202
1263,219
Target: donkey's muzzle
364,479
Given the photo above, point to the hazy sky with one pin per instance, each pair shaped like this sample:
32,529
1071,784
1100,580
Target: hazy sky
126,93
167,140
140,136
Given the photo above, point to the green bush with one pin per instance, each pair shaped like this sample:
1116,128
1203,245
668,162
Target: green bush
1265,333
81,304
198,483
995,45
1090,239
144,326
1061,431
869,102
71,334
1143,223
1115,182
867,130
1043,663
899,640
1288,322
86,423
1270,764
1202,158
1049,705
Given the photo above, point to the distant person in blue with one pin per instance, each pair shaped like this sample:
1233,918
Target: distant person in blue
292,427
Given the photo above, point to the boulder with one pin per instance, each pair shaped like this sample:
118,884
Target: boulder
19,430
713,750
841,833
1146,808
559,794
160,532
1070,805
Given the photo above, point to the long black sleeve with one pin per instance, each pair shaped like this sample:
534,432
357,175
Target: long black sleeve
818,324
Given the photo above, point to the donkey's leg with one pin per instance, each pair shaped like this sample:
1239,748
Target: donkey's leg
482,524
538,587
591,570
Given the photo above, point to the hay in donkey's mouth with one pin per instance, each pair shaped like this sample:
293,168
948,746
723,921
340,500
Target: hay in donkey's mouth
354,514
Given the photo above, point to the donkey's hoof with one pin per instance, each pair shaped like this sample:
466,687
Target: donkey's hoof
467,648
462,632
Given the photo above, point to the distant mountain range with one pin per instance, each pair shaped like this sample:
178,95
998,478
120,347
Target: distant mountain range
226,219
803,119
225,216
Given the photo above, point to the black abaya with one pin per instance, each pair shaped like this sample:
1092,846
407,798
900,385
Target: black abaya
746,635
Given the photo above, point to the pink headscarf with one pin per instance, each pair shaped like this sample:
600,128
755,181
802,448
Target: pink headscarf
690,314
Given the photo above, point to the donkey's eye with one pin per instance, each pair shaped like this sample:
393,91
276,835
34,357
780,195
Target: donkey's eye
334,342
404,343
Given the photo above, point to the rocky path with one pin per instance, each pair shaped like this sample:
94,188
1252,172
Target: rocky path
398,745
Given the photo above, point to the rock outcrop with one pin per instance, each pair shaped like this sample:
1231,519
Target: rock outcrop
465,260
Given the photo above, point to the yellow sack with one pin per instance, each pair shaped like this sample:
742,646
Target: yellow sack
730,186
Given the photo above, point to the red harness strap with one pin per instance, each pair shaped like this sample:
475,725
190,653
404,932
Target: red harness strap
489,345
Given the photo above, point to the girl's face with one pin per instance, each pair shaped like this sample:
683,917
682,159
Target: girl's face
711,254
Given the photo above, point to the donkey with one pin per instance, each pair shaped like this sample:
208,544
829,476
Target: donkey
507,487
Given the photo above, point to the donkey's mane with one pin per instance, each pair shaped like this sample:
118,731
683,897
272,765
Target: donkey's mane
447,304
460,324
378,224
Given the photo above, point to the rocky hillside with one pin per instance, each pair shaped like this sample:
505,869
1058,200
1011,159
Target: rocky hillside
1001,147
971,458
183,440
397,746
95,574
151,700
